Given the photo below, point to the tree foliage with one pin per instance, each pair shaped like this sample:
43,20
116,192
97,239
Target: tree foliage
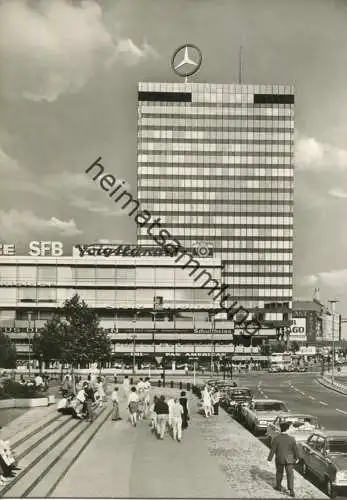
47,344
8,354
75,337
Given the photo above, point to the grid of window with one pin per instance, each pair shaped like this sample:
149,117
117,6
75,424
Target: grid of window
223,162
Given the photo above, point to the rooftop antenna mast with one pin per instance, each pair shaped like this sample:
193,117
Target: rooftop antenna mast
240,65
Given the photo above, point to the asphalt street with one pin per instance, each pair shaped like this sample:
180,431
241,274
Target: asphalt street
303,394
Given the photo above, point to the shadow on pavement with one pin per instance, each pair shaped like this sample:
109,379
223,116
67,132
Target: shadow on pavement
265,475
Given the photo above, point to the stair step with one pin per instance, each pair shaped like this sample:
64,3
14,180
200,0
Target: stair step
31,460
41,455
48,483
24,427
36,439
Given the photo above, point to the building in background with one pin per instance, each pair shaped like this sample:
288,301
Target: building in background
215,163
149,304
313,322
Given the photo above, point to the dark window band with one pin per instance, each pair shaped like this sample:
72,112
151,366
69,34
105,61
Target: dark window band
165,96
273,99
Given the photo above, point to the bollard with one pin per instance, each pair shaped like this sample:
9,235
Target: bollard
131,381
115,380
159,383
172,384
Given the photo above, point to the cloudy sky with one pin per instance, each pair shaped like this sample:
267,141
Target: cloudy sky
69,73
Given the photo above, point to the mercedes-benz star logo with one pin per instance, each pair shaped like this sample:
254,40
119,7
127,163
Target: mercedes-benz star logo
186,60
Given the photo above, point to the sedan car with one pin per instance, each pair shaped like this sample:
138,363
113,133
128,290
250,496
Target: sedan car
301,427
234,398
325,455
261,412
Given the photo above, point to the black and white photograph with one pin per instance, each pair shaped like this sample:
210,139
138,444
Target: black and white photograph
173,251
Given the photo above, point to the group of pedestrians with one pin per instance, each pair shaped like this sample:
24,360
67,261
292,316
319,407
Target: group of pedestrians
85,400
171,415
210,398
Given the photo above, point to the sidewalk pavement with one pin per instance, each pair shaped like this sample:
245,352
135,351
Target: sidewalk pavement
217,458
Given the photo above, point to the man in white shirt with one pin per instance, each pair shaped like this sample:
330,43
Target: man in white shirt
39,382
140,388
126,387
147,393
170,404
115,404
176,420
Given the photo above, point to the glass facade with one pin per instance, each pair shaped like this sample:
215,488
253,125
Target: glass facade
216,164
123,284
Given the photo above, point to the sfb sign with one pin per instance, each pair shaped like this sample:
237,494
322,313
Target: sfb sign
46,248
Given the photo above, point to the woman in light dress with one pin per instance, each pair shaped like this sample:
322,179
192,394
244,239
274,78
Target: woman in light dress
206,402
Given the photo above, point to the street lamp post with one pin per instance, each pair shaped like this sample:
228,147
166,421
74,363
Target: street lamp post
212,339
332,304
134,354
29,342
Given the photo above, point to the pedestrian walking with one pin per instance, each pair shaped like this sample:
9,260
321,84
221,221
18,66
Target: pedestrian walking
153,415
286,453
185,416
66,388
176,420
126,387
147,393
206,402
90,399
115,404
170,404
133,402
216,397
162,410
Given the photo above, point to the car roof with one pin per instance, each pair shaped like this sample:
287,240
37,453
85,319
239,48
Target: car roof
296,415
332,434
267,401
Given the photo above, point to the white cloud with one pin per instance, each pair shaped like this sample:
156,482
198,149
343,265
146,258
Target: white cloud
308,280
338,193
8,165
131,54
95,207
313,155
336,279
14,224
57,47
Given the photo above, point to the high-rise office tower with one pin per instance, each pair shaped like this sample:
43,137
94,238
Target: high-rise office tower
215,163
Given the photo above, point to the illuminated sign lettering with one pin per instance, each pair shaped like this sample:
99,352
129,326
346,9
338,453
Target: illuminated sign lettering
7,250
96,250
46,248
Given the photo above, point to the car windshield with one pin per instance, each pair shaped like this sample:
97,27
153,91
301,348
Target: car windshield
268,406
239,392
337,445
298,421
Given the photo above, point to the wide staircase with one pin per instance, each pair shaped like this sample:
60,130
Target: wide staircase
46,450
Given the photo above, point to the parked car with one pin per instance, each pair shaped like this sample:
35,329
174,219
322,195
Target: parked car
301,428
235,397
325,455
274,369
261,412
